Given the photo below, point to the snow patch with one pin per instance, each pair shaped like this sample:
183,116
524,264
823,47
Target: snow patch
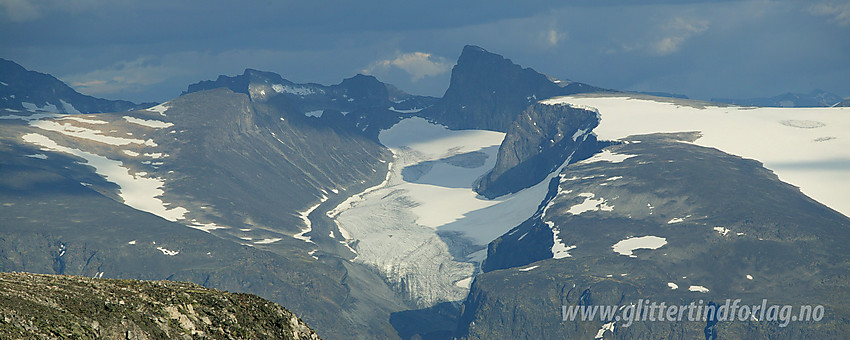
464,283
167,252
151,123
83,120
607,156
161,108
269,241
527,268
308,224
206,227
721,230
38,155
700,289
138,192
415,110
68,108
296,90
578,134
625,247
559,249
32,117
84,133
672,285
47,107
606,327
590,204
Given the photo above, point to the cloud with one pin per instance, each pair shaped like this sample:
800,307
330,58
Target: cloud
678,31
19,10
552,37
839,14
124,76
29,10
417,64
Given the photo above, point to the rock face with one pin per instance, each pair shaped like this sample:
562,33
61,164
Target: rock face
58,306
22,90
727,229
537,143
488,91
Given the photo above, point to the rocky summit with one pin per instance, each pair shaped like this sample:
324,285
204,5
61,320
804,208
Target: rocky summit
73,307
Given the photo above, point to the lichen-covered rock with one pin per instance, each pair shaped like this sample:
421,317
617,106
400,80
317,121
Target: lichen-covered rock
59,306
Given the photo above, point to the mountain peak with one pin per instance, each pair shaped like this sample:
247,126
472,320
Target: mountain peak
488,91
469,50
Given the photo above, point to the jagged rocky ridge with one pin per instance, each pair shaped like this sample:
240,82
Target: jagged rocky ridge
367,103
58,306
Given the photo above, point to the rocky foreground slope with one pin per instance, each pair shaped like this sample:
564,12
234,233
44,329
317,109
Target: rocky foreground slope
59,306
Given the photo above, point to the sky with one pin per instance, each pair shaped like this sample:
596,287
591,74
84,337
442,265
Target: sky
150,51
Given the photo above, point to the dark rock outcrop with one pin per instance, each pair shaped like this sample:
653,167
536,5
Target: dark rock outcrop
537,143
488,91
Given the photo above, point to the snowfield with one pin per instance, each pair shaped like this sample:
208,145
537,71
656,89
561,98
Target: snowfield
806,147
627,246
136,190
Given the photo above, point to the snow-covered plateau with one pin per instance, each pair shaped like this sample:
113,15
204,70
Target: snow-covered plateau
806,147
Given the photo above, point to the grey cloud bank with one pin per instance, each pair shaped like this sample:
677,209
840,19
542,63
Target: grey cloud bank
150,50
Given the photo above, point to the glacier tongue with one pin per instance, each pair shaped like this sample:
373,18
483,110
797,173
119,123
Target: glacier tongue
423,232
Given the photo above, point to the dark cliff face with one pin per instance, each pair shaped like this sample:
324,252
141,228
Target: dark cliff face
537,143
488,91
20,87
46,306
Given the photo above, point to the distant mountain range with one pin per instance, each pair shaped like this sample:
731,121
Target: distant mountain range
817,98
21,89
373,213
